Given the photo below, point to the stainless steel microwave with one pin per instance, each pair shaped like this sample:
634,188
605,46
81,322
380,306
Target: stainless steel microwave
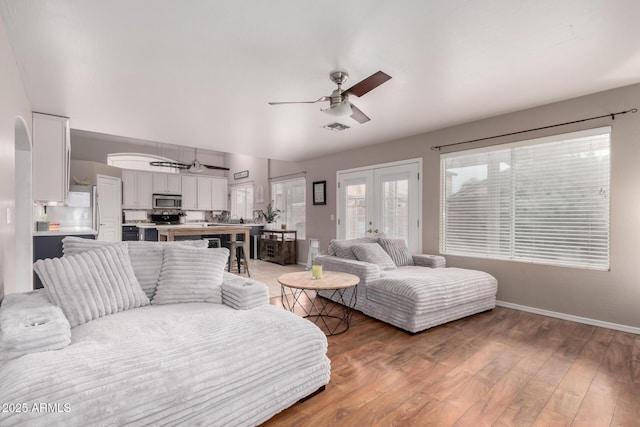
167,201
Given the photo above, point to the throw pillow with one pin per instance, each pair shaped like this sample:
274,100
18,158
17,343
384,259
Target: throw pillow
146,257
92,284
191,275
397,250
374,254
342,248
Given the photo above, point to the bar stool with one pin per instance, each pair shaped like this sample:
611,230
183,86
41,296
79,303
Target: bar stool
214,242
238,249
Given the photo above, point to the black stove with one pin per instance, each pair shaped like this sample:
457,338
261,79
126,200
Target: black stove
165,219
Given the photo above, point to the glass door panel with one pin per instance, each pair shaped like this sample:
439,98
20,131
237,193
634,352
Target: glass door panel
398,204
381,200
352,205
395,208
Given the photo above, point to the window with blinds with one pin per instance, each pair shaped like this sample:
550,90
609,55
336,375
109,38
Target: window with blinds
541,201
290,197
242,201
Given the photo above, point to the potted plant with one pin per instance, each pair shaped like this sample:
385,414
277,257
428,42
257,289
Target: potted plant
270,216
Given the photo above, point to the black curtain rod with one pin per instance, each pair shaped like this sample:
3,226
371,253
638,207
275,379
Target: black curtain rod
612,115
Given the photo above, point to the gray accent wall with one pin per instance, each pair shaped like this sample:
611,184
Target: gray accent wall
14,105
612,296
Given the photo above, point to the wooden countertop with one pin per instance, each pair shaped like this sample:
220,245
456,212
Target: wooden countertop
182,230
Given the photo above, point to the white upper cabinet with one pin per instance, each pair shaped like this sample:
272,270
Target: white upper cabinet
189,192
204,193
219,194
137,189
165,183
51,157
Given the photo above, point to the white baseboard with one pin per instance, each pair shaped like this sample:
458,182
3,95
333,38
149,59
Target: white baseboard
564,316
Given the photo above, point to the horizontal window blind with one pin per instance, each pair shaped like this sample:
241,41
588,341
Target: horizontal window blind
290,197
541,201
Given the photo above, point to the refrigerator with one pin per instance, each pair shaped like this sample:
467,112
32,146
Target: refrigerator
81,211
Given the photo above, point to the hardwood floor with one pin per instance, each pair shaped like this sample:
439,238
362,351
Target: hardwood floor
500,368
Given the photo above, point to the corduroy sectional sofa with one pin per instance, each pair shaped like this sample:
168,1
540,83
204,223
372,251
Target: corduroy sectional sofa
144,333
413,292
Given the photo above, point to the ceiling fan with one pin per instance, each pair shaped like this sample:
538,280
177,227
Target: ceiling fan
339,104
194,167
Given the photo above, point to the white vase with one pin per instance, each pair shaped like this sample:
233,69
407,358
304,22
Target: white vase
270,226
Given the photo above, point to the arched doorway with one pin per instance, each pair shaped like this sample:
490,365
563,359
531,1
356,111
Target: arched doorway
23,207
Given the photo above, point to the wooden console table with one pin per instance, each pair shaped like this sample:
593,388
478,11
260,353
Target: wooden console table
278,246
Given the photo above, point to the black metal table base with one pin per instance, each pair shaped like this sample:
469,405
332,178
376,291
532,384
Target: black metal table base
332,317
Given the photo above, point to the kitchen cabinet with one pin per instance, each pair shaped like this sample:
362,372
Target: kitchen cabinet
204,193
148,234
189,193
137,189
129,233
165,183
51,157
219,194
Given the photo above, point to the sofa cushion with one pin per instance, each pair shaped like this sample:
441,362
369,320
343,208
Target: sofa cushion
342,248
31,323
191,275
92,284
374,254
397,250
146,257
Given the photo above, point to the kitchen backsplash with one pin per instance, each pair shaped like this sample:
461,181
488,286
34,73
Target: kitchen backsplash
133,216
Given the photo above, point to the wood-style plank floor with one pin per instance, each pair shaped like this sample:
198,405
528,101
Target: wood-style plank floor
500,368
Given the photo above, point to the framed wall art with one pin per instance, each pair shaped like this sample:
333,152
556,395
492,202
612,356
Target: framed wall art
320,192
241,175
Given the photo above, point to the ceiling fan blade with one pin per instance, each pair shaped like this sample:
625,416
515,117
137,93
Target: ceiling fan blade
324,98
358,115
171,165
368,84
220,168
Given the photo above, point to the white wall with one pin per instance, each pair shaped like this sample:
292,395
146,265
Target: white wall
258,168
612,296
23,206
13,104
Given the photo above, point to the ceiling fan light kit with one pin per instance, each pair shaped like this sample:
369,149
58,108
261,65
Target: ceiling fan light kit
339,104
340,109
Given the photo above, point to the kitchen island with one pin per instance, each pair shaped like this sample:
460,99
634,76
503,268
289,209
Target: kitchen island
171,232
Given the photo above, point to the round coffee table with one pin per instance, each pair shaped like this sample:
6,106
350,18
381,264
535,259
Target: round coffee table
332,317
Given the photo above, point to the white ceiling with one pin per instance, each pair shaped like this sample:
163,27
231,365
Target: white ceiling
200,73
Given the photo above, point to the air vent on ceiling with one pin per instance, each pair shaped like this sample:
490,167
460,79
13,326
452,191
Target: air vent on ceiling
336,127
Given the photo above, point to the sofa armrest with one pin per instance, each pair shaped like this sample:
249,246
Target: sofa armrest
364,270
243,293
30,323
433,261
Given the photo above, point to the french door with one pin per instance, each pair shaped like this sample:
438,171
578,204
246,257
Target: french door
381,199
